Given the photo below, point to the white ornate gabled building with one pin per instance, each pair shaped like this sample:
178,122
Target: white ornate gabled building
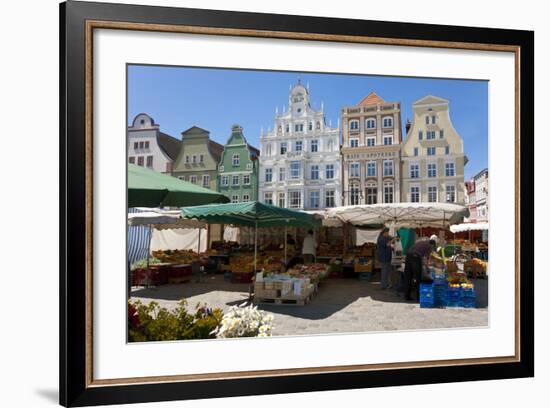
300,157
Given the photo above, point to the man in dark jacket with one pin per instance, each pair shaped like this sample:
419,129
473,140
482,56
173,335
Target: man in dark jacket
417,257
384,248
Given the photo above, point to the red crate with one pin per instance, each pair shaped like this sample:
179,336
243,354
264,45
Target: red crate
242,277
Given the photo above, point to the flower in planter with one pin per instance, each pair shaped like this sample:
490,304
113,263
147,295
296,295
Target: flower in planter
245,321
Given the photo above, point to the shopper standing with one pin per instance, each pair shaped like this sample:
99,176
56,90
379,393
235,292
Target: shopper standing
384,248
417,259
308,247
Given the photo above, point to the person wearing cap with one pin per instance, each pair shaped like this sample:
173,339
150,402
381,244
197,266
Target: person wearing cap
417,258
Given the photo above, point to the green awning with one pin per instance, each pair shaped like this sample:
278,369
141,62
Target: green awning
147,188
249,213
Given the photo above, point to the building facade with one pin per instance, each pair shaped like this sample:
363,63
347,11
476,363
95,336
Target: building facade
481,182
433,157
149,147
470,200
238,168
300,158
371,151
198,159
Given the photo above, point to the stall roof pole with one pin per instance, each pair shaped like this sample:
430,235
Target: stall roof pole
255,244
285,244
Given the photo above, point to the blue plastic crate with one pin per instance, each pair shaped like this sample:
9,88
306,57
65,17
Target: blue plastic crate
365,276
468,303
427,305
468,293
426,287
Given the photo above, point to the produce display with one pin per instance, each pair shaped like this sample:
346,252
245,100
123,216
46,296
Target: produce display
326,249
241,264
315,272
176,256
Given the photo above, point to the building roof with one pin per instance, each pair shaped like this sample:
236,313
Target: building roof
169,145
430,100
195,130
255,152
371,99
216,150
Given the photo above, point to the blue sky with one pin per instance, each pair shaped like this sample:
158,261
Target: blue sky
215,99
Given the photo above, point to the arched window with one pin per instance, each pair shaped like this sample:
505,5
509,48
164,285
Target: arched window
354,125
370,123
387,122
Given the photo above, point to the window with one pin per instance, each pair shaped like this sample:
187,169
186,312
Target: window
182,178
329,199
149,161
235,180
449,169
299,127
314,146
387,122
246,197
136,144
441,134
298,146
295,170
315,172
235,198
314,199
268,198
279,129
194,158
142,121
282,200
140,161
450,194
388,168
318,125
427,120
310,127
287,128
295,199
354,142
430,134
354,195
201,158
431,151
388,192
193,179
329,171
141,145
370,123
268,175
147,145
283,148
433,119
414,171
225,180
132,159
415,151
432,170
371,141
354,170
187,159
282,174
419,135
415,194
354,125
432,194
246,179
330,146
236,160
447,150
388,140
372,195
371,169
206,180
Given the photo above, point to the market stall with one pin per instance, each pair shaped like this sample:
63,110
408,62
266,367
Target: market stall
255,215
168,265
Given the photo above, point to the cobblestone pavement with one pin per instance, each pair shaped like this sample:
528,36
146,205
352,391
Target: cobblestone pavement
341,305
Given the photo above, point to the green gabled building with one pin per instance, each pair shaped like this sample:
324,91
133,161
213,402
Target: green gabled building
238,168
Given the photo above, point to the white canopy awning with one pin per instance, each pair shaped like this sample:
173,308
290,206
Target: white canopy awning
412,215
479,226
326,220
